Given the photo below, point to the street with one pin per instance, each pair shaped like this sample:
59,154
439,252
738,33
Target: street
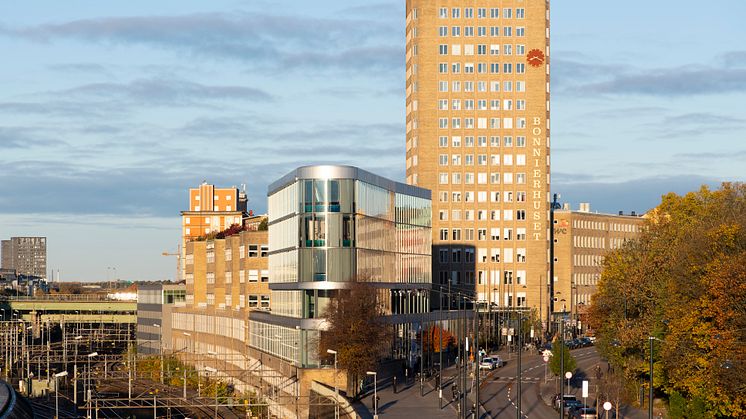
498,393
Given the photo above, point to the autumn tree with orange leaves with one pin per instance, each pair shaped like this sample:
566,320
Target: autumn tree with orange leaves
682,281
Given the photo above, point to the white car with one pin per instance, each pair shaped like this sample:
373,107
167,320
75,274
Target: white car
490,363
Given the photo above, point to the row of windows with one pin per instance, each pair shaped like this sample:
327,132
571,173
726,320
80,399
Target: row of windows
589,242
482,123
508,178
494,31
481,49
481,13
587,260
481,196
481,105
481,141
497,255
482,68
481,160
481,86
481,215
495,234
586,278
467,178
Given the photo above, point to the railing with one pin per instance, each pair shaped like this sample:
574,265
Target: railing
63,297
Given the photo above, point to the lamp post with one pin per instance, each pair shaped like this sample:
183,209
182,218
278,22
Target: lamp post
336,390
57,394
375,393
607,407
519,372
88,386
160,346
650,406
214,371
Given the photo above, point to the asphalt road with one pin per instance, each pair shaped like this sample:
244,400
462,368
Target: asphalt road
498,394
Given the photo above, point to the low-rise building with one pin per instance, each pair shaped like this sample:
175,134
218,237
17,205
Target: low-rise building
154,305
581,240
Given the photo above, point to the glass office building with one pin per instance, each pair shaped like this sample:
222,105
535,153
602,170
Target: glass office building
330,226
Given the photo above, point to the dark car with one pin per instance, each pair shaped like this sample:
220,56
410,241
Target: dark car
585,413
586,341
573,405
566,398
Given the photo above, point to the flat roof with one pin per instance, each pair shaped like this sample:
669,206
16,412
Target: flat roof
346,172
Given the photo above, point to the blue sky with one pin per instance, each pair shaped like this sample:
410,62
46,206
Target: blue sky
109,111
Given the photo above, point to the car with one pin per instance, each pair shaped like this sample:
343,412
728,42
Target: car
565,398
586,341
585,413
572,405
487,363
499,363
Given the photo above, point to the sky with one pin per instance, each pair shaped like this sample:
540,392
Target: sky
110,111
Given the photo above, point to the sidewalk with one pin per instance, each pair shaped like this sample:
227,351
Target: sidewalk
407,402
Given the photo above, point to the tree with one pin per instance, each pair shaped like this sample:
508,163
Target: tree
356,330
558,347
683,281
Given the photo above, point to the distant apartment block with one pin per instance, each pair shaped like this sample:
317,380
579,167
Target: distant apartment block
210,210
582,239
26,255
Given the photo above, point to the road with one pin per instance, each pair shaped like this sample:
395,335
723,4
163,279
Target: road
498,394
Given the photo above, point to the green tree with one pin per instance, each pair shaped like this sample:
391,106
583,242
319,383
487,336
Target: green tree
558,348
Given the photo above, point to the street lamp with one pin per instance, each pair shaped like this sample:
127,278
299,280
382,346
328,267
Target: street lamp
214,371
88,387
607,407
160,346
57,394
375,393
336,390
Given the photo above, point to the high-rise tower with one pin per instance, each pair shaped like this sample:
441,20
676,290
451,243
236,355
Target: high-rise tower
477,100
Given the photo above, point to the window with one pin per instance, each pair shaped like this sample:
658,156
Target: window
443,49
494,141
507,13
520,49
481,13
456,68
494,13
481,49
443,123
469,13
507,31
520,13
455,12
442,86
443,68
265,275
456,31
520,215
520,104
456,141
443,13
442,105
456,49
253,250
443,214
443,196
456,123
520,178
468,31
443,234
481,31
456,234
494,31
443,255
264,251
253,275
456,178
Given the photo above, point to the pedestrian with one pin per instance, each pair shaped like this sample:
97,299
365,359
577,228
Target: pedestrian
394,384
454,392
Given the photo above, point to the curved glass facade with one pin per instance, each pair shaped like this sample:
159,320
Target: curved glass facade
332,225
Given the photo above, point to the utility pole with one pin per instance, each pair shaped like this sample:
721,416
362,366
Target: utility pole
518,372
554,206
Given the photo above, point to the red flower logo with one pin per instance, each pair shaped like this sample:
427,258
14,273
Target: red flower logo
535,57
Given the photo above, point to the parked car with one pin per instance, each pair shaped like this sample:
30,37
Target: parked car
585,413
566,398
499,363
572,405
586,341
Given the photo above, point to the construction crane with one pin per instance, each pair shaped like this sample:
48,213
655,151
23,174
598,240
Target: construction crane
178,261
